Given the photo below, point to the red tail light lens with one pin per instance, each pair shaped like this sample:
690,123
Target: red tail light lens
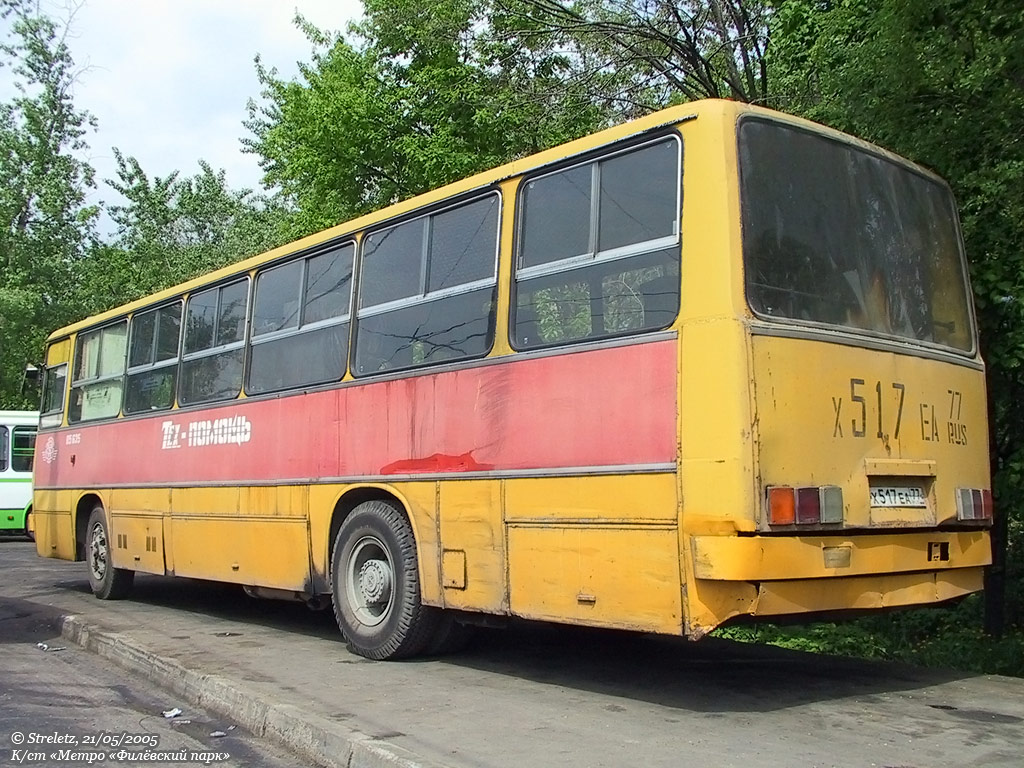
781,506
808,506
986,504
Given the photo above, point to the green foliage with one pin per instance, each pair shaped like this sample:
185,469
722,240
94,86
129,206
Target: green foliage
641,55
951,638
418,95
171,229
46,225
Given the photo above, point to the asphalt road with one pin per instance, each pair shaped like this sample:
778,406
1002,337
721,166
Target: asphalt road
61,705
540,695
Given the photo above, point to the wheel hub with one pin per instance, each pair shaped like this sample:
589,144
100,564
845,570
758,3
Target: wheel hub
98,554
375,582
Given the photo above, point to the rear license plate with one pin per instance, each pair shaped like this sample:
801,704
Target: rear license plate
898,496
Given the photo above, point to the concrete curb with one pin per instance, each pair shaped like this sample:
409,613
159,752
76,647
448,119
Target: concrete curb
315,738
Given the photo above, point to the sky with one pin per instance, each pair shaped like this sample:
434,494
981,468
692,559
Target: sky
168,80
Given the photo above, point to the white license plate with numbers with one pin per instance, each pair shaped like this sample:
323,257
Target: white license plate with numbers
898,496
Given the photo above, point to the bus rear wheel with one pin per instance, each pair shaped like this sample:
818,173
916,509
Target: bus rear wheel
107,582
375,584
29,532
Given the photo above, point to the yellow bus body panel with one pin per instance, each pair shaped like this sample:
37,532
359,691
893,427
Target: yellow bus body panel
613,576
138,516
866,593
716,450
473,559
599,500
595,550
211,537
733,558
58,352
54,528
867,414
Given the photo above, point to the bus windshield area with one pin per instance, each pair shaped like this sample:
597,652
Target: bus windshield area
834,234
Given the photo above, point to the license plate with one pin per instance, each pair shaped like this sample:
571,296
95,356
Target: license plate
898,496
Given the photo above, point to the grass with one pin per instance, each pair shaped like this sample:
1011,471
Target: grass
951,638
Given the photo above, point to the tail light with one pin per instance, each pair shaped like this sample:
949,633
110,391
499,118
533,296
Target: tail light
809,505
781,506
973,504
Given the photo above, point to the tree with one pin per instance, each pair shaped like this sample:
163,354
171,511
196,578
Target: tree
662,51
46,225
170,230
416,96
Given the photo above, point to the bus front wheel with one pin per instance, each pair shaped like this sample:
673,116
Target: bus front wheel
376,584
29,528
107,582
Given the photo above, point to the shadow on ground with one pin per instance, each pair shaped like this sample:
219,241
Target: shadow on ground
24,621
711,676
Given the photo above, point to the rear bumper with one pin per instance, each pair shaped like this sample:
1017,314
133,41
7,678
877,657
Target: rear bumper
786,558
783,598
771,576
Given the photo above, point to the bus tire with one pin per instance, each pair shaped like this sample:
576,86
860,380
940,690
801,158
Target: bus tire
375,584
107,582
29,533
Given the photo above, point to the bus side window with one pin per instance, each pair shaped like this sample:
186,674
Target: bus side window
23,448
54,385
214,344
598,301
555,311
427,291
643,298
98,376
5,448
153,360
599,248
301,322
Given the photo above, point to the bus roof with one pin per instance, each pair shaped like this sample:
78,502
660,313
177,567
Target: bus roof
711,107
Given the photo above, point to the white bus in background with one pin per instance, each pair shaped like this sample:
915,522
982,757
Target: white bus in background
17,449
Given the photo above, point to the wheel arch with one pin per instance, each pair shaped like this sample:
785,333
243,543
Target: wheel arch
27,523
356,495
86,504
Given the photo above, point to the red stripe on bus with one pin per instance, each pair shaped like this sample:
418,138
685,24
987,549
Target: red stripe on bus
601,408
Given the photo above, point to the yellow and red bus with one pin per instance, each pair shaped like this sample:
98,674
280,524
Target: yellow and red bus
716,363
